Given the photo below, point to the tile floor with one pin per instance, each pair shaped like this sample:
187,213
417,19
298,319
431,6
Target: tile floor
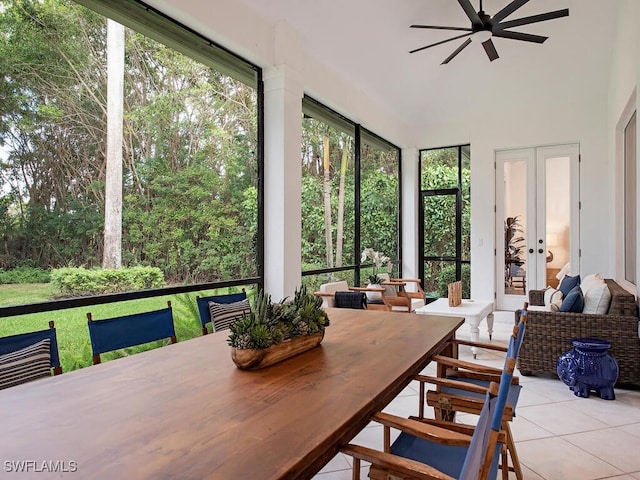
558,435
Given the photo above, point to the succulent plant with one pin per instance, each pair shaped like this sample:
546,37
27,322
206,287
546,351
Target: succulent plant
272,323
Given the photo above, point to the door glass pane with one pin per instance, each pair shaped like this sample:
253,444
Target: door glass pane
558,215
515,224
466,202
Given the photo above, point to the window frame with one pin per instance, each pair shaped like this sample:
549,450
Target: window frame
339,121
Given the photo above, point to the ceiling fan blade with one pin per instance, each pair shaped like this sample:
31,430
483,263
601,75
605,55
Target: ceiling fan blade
457,51
471,12
526,37
533,19
440,43
508,10
436,27
490,48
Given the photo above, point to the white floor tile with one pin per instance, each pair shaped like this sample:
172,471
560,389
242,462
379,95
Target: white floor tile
556,459
612,445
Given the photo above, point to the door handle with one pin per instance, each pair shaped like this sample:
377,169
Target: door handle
531,250
540,250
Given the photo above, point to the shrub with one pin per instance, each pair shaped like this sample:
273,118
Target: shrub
25,275
448,275
81,281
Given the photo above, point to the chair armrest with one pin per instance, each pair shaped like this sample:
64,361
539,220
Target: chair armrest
488,346
389,461
536,297
461,364
423,430
446,382
324,294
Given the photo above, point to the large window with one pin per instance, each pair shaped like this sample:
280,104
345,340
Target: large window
190,145
350,196
445,218
630,198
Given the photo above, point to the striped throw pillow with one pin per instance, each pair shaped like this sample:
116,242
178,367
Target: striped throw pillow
22,366
223,315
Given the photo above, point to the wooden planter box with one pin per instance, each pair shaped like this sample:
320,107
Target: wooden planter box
249,359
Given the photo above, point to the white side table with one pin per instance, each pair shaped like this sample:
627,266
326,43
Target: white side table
473,312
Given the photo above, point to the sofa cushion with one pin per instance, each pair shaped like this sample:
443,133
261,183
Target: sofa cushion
552,296
573,302
590,281
597,298
568,283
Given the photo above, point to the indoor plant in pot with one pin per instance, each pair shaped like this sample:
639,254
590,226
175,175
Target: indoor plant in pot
273,332
375,281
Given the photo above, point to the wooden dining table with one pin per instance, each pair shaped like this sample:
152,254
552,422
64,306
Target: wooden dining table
185,411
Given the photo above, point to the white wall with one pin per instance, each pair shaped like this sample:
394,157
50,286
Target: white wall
623,100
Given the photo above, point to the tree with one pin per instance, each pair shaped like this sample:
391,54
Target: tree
112,254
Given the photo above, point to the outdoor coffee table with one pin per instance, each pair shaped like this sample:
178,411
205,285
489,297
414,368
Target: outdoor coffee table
473,312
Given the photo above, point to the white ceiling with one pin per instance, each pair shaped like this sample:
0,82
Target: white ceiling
368,41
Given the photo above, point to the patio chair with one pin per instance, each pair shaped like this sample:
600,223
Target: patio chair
408,299
328,291
130,330
25,357
226,309
446,451
461,386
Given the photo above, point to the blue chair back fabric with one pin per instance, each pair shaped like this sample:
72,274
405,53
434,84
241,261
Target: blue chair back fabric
203,304
357,300
13,343
129,330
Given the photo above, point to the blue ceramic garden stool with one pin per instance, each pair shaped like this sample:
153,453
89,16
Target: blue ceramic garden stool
589,366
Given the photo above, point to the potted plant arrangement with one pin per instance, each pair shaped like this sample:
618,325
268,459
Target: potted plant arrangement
375,281
273,332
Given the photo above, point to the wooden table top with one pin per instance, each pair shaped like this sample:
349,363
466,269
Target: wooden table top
185,411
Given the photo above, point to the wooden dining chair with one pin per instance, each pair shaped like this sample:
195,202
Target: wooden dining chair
427,450
222,310
25,357
462,386
130,330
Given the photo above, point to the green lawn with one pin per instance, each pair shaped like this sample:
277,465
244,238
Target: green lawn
71,324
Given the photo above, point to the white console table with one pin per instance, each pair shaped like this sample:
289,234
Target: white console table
473,312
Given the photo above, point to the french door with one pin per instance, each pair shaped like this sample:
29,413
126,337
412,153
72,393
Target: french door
537,219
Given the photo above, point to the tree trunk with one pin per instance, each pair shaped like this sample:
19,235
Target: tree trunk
327,202
340,229
112,256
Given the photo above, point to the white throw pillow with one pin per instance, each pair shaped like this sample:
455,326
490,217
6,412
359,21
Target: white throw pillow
552,296
590,281
596,299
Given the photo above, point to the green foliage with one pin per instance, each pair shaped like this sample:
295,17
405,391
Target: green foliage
81,281
190,142
272,323
25,275
448,275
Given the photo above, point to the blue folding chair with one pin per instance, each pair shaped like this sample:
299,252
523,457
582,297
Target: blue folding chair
15,374
464,388
428,451
224,319
130,330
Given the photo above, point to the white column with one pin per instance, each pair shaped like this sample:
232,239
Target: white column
410,192
282,181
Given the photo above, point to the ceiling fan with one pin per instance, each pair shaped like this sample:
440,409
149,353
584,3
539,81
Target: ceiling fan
484,27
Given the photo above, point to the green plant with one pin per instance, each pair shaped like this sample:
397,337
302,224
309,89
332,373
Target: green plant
25,275
514,245
379,261
272,323
448,275
81,281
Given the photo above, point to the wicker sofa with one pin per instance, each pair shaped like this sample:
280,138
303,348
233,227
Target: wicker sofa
549,334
